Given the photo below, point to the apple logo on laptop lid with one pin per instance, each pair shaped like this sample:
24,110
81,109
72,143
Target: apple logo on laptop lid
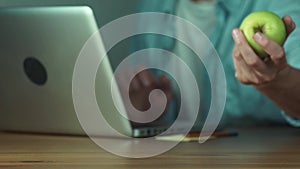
35,71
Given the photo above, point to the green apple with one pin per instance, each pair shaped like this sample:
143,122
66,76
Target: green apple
267,23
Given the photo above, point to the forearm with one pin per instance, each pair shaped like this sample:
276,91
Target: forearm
284,91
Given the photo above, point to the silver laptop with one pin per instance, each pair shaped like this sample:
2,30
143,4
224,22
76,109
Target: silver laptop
38,50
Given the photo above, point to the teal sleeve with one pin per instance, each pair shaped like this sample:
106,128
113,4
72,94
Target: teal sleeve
292,45
292,121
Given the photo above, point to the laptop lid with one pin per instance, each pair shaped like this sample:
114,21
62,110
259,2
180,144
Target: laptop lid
39,47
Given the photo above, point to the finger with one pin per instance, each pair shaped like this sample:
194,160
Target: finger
237,67
236,55
289,24
166,86
246,75
275,51
122,78
240,73
147,79
135,85
250,57
164,82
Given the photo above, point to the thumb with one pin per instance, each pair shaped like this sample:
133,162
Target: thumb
289,25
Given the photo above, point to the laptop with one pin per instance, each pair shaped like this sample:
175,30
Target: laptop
39,47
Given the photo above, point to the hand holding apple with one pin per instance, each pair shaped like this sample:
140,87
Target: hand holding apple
267,23
250,68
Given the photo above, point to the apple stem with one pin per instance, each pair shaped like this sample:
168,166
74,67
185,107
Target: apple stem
260,29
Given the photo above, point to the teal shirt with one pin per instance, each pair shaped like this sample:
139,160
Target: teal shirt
244,104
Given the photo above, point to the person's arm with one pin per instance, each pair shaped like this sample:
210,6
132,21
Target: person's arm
285,91
275,78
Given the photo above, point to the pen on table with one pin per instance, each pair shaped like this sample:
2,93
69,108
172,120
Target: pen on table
195,136
215,134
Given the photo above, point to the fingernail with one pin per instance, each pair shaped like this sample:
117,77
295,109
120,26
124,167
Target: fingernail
236,33
258,36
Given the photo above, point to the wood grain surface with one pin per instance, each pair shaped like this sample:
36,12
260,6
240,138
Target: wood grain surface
276,147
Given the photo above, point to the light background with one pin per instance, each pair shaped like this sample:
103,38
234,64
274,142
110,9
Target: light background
104,10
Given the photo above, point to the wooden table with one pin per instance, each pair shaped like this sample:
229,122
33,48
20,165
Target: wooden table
277,147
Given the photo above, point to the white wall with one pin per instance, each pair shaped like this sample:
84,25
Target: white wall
104,10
